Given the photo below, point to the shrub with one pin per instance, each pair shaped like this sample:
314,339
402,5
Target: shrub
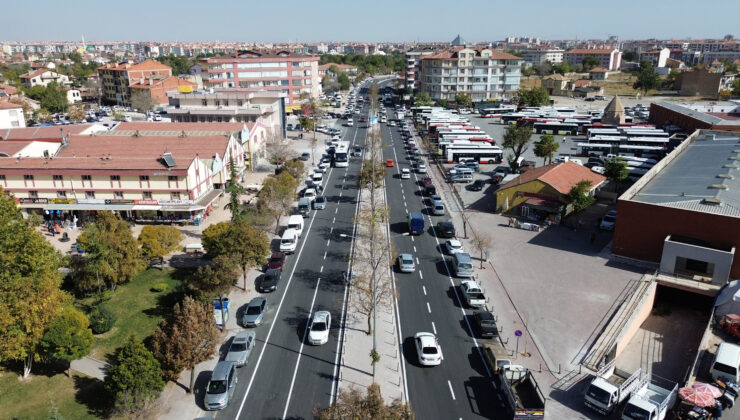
101,319
159,287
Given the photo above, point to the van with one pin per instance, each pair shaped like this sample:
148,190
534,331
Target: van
288,241
496,355
295,222
221,386
726,363
194,248
462,264
304,206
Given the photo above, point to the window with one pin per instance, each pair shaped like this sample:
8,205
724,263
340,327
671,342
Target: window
2,177
58,178
147,195
175,195
238,102
143,178
118,195
217,102
33,194
172,178
90,194
115,177
86,178
226,102
204,102
62,194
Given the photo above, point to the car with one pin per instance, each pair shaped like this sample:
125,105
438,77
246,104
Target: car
438,208
485,324
445,229
240,348
453,246
477,185
322,167
609,220
305,156
318,330
406,263
475,166
221,386
428,349
405,173
276,261
319,203
421,168
357,151
310,193
127,118
392,123
590,99
317,178
157,117
270,280
426,181
502,170
255,312
389,163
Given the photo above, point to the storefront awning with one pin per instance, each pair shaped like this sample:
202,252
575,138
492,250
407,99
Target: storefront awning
543,205
146,207
83,207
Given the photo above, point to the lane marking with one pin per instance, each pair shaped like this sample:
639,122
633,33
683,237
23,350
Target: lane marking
417,259
424,289
451,392
328,241
434,328
300,351
412,238
334,220
421,275
324,254
336,210
414,248
321,270
429,308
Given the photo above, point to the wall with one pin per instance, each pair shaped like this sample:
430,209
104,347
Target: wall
534,186
698,83
660,116
637,319
722,260
12,118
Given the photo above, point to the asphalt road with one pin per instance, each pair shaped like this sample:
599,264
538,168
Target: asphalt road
286,377
429,301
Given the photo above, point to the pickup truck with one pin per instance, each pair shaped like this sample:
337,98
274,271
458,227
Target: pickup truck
610,388
473,294
653,400
522,395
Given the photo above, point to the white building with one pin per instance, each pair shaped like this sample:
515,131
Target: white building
657,58
11,115
540,55
42,77
73,96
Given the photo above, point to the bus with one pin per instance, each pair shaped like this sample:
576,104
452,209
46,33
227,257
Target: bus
653,152
341,156
646,133
466,143
561,128
593,132
595,149
478,154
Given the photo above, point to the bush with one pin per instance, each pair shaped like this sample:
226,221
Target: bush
101,319
159,287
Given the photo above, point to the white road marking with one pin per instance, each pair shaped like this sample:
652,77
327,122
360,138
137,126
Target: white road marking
300,351
333,221
321,270
412,238
421,275
429,308
336,210
417,258
328,241
414,248
451,392
324,254
424,289
434,328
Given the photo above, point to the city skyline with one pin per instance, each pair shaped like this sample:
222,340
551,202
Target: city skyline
385,21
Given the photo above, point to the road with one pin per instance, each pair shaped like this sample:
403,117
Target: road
286,377
429,301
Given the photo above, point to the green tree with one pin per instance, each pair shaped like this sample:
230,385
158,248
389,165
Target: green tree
68,337
517,140
537,96
215,280
589,62
370,172
616,170
159,240
295,168
527,70
343,81
736,87
142,100
277,196
353,404
630,55
730,67
423,99
30,298
235,190
444,103
562,68
546,148
647,79
247,245
112,255
187,338
53,98
463,100
134,377
579,197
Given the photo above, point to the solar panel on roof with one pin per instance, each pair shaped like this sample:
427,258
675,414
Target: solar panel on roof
169,160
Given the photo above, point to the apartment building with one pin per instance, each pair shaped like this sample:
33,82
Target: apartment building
481,73
412,69
656,57
11,115
156,88
116,79
539,55
282,71
42,77
609,59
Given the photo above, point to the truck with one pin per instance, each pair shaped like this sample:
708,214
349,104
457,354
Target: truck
473,294
522,395
400,115
496,355
652,400
416,223
610,387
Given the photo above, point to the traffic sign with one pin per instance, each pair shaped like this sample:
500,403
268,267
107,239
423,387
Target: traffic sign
518,333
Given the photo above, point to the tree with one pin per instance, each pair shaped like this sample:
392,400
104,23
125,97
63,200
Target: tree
353,404
54,98
736,87
482,242
30,298
517,140
546,148
112,255
235,190
527,70
279,151
630,55
295,168
92,88
537,96
277,196
616,170
562,67
76,112
185,339
730,67
423,99
343,81
142,100
68,337
444,103
579,197
590,62
646,78
370,172
247,245
216,280
463,100
134,378
158,240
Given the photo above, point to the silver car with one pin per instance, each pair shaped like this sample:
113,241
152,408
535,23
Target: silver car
255,312
438,208
319,203
221,386
240,348
406,263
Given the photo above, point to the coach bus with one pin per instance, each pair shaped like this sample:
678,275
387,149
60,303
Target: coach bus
478,154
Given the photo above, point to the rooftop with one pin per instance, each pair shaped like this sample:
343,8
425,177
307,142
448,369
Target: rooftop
700,112
177,128
561,176
48,133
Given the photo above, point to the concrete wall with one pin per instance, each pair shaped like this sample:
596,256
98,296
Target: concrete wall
660,116
722,260
641,313
698,83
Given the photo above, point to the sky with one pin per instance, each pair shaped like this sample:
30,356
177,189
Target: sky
369,21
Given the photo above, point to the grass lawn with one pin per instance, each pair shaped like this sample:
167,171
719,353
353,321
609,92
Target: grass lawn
138,310
32,398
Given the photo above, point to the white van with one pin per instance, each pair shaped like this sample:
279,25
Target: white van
295,222
726,363
289,241
462,265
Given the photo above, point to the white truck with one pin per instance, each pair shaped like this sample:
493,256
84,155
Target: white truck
652,400
400,115
610,387
473,294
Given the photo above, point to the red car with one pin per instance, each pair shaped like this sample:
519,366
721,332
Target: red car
389,163
426,181
277,260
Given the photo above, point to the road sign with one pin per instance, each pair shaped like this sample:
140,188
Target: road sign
518,333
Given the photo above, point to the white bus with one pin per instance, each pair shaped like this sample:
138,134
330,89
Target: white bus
478,154
341,156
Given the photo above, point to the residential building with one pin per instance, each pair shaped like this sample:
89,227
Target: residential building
656,57
481,73
42,77
412,69
156,88
557,85
116,79
608,58
699,82
282,71
710,57
539,55
11,115
598,73
350,70
73,95
722,115
7,92
541,193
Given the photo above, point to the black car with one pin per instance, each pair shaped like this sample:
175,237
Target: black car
445,229
270,280
305,156
477,185
485,324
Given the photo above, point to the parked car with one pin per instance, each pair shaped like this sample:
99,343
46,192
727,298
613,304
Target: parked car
318,332
477,185
319,203
221,386
445,229
240,348
609,220
276,261
255,312
428,349
438,208
421,168
270,280
453,246
485,324
406,263
305,156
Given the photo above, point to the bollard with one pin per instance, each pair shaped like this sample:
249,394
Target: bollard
559,371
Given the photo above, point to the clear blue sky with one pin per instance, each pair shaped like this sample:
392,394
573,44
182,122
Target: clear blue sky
372,21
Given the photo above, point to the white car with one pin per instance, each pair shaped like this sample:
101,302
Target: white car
322,167
405,173
412,142
421,168
318,332
310,193
428,349
453,246
317,178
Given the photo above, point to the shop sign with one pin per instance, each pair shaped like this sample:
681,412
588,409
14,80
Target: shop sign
63,201
175,202
33,200
147,202
90,201
118,201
